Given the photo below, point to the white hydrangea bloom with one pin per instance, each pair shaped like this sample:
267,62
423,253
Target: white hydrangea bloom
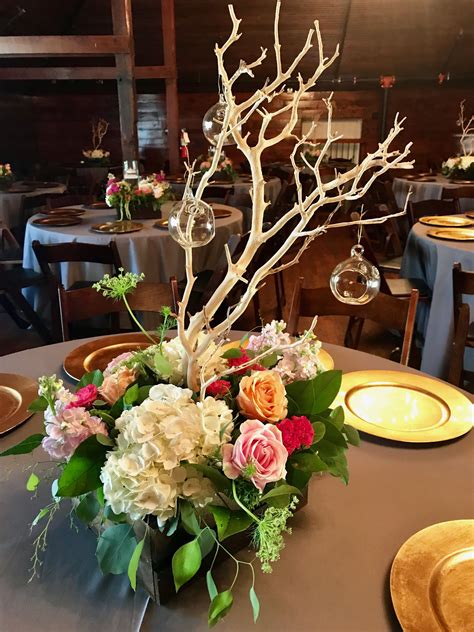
145,474
174,353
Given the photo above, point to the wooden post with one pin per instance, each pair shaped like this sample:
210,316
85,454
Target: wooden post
125,63
172,107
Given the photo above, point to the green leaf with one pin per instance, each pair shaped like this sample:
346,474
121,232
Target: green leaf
331,435
351,434
336,417
220,482
337,466
298,478
100,402
186,562
94,377
281,490
233,352
133,564
44,512
88,508
115,548
162,366
82,473
24,447
229,522
269,360
38,405
206,541
307,462
113,517
32,482
220,606
189,519
104,440
117,409
319,431
54,490
313,396
211,585
255,603
143,393
99,492
172,525
222,518
131,395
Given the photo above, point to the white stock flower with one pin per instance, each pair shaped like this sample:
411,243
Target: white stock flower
466,162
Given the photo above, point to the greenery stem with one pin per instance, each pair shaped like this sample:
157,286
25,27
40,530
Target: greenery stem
242,506
136,321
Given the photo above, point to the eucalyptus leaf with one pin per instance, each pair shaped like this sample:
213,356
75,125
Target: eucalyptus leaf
255,603
220,606
189,519
88,508
211,585
82,473
26,446
32,482
281,490
221,517
206,541
115,548
133,564
38,405
172,525
186,562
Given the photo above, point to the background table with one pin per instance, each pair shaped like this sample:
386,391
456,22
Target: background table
10,203
150,250
422,190
241,195
432,260
333,573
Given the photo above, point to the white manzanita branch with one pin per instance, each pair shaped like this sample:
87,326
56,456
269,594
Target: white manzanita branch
467,128
342,187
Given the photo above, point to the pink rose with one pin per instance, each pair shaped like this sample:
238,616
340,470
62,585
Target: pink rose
258,454
115,385
84,397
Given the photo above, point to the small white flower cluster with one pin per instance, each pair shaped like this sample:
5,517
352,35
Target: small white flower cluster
95,154
159,441
459,162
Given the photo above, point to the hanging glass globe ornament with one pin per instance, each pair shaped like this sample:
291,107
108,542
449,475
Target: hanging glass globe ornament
191,223
213,120
355,281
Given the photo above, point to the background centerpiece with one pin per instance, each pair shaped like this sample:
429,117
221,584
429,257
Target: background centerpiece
97,156
6,176
462,166
140,200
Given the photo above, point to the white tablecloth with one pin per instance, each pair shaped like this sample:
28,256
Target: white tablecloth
151,250
10,203
241,195
432,260
427,191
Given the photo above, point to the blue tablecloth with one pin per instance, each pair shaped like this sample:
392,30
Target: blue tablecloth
432,260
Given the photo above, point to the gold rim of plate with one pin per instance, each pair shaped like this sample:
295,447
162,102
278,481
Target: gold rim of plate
58,220
16,394
432,578
453,234
96,354
117,228
469,214
452,221
162,224
403,406
325,358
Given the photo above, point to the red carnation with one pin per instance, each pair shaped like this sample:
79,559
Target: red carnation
219,387
243,359
297,433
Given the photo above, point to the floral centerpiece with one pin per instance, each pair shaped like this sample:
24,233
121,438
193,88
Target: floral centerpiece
97,156
134,444
6,176
151,192
459,167
224,171
311,153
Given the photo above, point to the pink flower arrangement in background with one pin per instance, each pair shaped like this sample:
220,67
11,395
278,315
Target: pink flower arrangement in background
258,454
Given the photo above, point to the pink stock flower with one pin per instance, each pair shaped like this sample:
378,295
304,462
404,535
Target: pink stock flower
68,428
219,387
84,397
258,454
115,385
112,188
115,362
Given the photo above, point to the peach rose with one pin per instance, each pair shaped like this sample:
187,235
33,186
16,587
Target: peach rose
115,385
262,396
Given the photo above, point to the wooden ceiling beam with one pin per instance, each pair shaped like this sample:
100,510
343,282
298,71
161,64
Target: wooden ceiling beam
63,45
172,105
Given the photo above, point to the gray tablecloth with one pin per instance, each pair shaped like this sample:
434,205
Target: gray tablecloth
432,260
423,190
10,203
241,195
333,574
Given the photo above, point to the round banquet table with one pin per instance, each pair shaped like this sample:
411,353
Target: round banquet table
242,186
150,250
332,575
424,190
432,260
10,202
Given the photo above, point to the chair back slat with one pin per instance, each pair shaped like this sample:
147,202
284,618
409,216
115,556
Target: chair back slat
430,207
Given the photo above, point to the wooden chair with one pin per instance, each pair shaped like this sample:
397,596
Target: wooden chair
430,207
457,194
10,250
58,201
463,283
50,254
387,311
85,303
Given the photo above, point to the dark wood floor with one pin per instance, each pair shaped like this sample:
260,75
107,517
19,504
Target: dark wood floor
316,266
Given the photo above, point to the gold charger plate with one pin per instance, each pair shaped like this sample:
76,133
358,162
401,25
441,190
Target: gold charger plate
469,214
117,227
98,353
453,234
326,360
162,224
432,579
404,406
220,213
16,394
467,182
58,220
63,211
452,221
95,206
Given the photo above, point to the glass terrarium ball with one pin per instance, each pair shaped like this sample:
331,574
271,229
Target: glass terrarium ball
191,223
212,123
355,281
